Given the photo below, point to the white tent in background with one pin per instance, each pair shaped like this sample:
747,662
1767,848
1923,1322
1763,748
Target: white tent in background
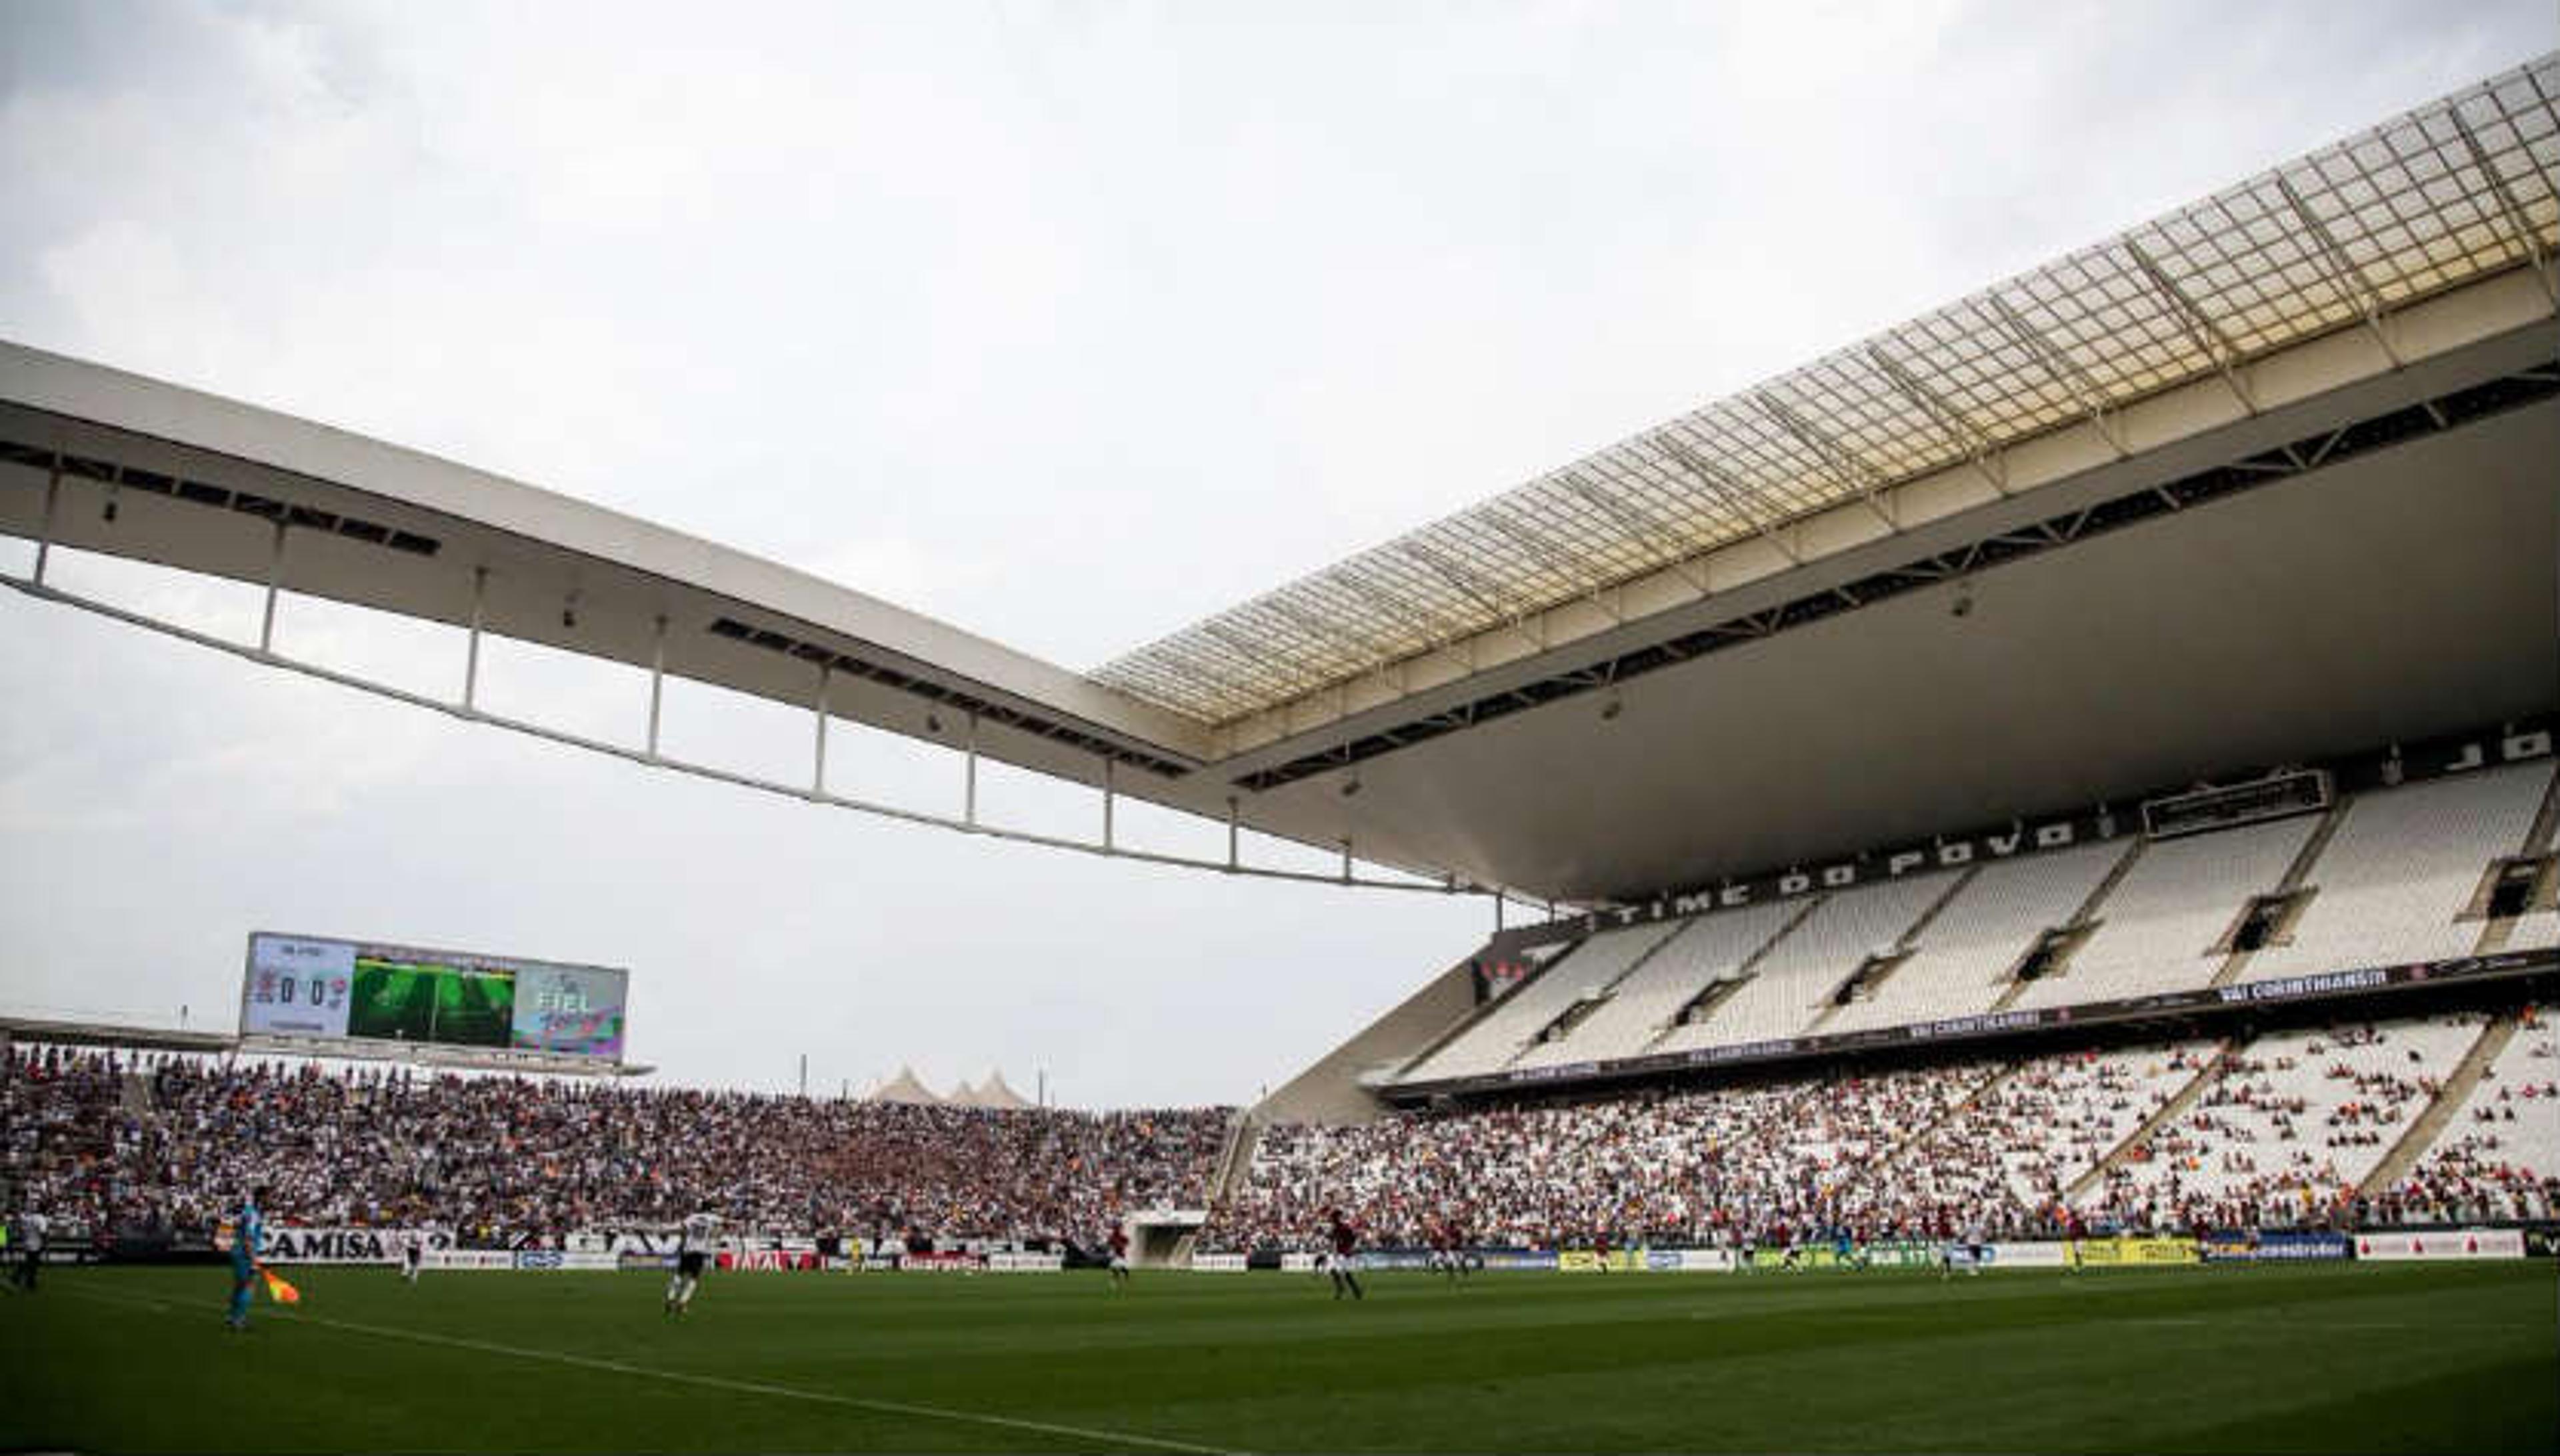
965,1095
903,1088
993,1093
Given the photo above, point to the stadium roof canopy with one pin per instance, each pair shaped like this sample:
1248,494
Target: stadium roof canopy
2269,477
2442,195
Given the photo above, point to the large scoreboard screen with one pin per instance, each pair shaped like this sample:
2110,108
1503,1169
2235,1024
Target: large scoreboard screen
309,986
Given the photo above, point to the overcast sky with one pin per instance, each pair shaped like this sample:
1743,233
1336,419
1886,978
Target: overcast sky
1069,324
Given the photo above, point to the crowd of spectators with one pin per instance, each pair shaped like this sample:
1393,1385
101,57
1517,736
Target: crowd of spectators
2500,1158
162,1143
2279,1133
2017,1147
1767,1165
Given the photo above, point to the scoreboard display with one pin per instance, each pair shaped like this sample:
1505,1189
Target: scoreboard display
309,986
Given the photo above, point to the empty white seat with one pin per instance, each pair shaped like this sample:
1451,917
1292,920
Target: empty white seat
2403,864
1591,965
2156,929
1711,948
1964,955
1794,981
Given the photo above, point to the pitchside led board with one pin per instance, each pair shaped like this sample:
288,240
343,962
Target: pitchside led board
305,986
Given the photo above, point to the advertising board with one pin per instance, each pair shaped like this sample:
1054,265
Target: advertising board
2447,1244
2139,1251
279,1244
2266,1245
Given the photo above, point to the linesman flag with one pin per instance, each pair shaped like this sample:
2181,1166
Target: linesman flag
278,1289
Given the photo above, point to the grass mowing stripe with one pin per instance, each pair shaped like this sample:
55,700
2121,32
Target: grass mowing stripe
715,1382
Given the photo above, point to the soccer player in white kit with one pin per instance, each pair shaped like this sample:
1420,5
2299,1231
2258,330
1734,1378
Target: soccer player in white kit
693,1254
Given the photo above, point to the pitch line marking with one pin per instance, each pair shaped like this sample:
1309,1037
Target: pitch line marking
720,1383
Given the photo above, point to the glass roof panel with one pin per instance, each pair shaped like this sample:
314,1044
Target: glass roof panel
2400,212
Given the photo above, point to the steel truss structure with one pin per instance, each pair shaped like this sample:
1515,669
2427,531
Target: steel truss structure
465,707
2341,238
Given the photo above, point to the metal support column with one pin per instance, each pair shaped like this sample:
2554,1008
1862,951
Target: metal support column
818,770
471,657
1108,799
45,541
275,570
969,800
1499,898
657,683
1347,860
1232,864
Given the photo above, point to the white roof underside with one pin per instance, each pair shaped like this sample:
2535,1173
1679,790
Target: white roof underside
2450,193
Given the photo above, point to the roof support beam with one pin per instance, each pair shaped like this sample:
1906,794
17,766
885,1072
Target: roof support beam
1472,585
1341,634
471,653
1236,677
2517,227
1726,490
2343,270
1841,461
818,751
275,576
1641,525
657,680
2063,372
44,536
2207,334
1433,635
1555,556
1979,451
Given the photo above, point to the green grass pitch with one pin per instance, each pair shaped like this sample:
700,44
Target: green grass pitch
2462,1358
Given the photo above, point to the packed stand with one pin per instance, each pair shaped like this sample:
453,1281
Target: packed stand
1770,1164
169,1143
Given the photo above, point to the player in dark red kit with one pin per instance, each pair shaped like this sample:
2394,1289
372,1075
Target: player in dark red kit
1451,1253
1344,1240
1119,1242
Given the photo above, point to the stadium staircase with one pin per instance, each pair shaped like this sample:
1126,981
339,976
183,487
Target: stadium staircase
2296,876
2457,1089
2082,919
137,1097
1243,1135
1903,945
1716,991
2171,1111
